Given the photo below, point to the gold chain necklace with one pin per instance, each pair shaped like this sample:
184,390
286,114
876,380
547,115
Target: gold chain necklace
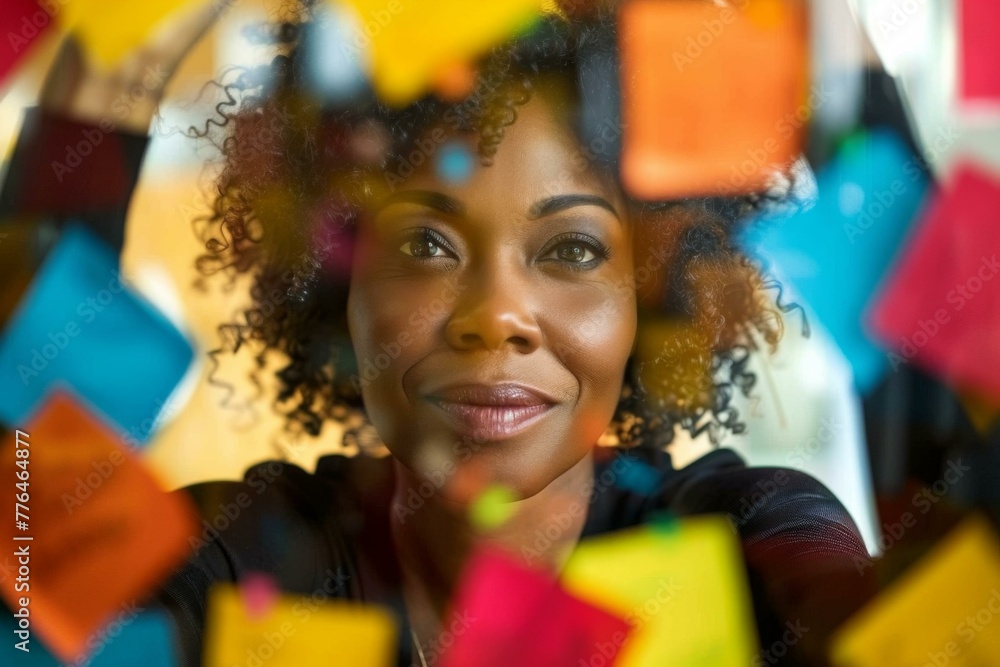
420,651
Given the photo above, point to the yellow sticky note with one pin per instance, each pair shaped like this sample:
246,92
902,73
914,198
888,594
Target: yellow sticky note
493,507
945,610
110,29
296,631
408,42
683,590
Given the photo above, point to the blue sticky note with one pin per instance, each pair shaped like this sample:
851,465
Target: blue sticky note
836,254
134,637
80,324
639,477
454,163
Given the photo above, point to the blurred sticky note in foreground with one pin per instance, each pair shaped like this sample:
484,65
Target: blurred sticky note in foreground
297,631
943,611
110,29
21,23
714,96
133,637
510,614
413,42
979,51
836,253
941,305
80,324
104,534
683,589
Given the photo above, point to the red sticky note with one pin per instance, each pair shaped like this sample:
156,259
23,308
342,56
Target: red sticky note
713,94
21,23
940,307
103,534
979,50
507,614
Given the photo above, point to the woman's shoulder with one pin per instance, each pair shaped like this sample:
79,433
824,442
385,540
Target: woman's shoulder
769,507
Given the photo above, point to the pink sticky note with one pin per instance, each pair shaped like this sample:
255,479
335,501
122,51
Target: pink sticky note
507,614
940,306
21,23
260,592
979,50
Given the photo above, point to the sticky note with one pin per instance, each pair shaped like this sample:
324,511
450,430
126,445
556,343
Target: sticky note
103,534
940,307
21,23
714,95
133,637
979,51
493,506
454,163
683,590
82,325
110,29
945,610
834,256
297,631
982,410
504,613
410,43
23,244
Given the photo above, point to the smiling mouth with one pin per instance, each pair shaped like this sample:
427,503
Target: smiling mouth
491,412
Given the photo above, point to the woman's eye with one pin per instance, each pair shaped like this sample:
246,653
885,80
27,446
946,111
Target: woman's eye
575,252
423,245
578,252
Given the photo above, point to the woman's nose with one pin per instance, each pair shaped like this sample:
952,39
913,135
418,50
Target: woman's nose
491,312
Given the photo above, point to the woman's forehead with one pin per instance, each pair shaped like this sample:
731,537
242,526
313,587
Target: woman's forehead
538,158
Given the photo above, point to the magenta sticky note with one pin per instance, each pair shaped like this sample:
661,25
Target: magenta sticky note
979,51
940,305
505,613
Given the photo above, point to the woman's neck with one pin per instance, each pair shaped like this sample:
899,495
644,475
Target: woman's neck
433,542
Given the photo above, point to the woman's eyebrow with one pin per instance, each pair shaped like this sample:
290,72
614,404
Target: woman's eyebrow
558,203
435,200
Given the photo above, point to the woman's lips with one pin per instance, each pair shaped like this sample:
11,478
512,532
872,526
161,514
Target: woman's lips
491,412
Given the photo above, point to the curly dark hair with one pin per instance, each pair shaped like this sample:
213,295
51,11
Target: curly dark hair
295,176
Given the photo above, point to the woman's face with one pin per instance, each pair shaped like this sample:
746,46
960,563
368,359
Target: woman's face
492,318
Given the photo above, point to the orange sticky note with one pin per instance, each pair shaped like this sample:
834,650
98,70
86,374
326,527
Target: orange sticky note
297,631
97,531
945,610
714,95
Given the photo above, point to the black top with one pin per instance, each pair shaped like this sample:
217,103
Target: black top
327,535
